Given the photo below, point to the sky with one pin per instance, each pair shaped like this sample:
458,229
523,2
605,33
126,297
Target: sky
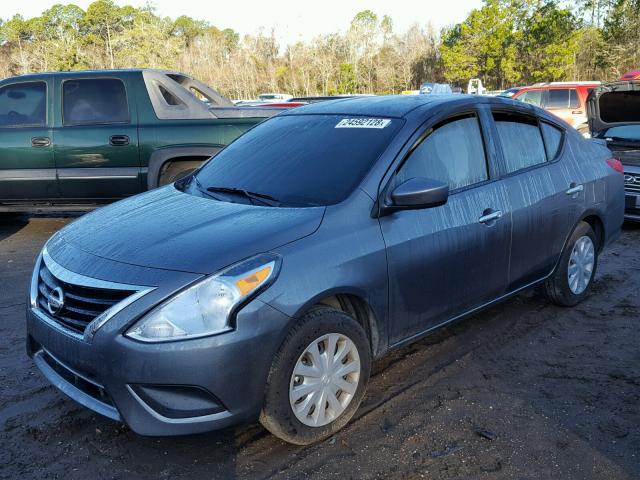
292,20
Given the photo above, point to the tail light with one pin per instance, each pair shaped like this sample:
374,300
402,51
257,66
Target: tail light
616,165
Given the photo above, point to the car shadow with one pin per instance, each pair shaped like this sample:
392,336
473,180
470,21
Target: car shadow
11,224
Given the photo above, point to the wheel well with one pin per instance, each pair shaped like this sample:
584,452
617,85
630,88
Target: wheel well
360,310
190,160
597,226
177,164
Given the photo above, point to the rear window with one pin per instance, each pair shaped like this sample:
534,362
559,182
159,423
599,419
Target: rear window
521,141
302,160
23,104
623,132
562,98
92,101
620,107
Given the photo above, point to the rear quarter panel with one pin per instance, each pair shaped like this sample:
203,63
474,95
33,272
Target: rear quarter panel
604,187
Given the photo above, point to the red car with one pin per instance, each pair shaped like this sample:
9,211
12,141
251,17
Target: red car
566,100
632,75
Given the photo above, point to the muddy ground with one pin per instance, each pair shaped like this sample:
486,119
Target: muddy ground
524,390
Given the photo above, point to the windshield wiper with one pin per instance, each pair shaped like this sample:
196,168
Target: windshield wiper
263,198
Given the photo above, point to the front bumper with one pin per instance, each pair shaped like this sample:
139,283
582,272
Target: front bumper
169,388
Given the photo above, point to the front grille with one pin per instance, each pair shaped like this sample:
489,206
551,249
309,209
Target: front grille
632,183
80,305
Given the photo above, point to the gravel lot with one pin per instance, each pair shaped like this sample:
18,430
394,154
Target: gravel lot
524,390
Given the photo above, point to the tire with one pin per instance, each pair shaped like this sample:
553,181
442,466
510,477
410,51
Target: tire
562,288
318,329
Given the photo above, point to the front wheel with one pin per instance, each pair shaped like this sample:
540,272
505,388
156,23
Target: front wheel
318,378
572,280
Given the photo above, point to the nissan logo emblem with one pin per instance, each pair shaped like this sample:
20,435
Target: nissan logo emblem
631,178
55,301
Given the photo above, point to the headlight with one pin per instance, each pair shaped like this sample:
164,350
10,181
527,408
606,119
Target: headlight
205,307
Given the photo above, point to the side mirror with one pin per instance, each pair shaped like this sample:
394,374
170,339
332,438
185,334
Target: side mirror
419,192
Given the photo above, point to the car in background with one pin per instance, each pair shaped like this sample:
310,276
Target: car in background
263,285
510,92
274,97
429,88
632,75
566,100
614,117
324,98
77,140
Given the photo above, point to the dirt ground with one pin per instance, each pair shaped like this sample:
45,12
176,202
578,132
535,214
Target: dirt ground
524,390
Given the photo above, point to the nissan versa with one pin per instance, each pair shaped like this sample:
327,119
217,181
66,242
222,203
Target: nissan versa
263,285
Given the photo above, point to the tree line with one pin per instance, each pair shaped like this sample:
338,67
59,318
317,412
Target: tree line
505,43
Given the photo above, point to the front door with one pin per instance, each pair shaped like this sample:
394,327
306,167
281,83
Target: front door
447,260
96,147
27,168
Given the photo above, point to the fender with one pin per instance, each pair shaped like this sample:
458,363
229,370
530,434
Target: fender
159,157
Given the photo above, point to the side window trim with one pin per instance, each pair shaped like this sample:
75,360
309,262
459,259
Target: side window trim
46,99
561,146
428,130
89,123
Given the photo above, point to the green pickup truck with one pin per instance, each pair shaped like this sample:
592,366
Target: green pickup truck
75,140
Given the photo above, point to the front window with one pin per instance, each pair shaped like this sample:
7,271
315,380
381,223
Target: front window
300,160
23,104
452,152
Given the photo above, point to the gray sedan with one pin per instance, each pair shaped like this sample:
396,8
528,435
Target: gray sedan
263,285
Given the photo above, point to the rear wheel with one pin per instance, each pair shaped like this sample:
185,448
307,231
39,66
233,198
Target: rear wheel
572,280
318,378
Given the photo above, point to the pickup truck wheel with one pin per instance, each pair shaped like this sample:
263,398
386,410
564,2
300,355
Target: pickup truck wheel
318,378
173,171
572,280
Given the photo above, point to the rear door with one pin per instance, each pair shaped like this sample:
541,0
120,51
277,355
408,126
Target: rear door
96,143
27,168
565,104
446,260
545,193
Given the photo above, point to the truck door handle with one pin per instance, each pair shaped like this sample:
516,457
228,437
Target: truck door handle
574,189
40,142
118,140
490,217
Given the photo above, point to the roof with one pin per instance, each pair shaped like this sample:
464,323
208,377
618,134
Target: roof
396,106
89,73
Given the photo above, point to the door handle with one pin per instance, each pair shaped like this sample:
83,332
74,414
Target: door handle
40,142
576,112
119,140
574,189
490,217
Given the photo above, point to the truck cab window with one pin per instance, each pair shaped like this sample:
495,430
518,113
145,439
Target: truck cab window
94,101
23,104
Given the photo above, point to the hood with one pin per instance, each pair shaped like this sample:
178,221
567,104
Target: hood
613,104
172,230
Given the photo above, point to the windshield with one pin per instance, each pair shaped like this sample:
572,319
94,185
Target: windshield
300,160
623,132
